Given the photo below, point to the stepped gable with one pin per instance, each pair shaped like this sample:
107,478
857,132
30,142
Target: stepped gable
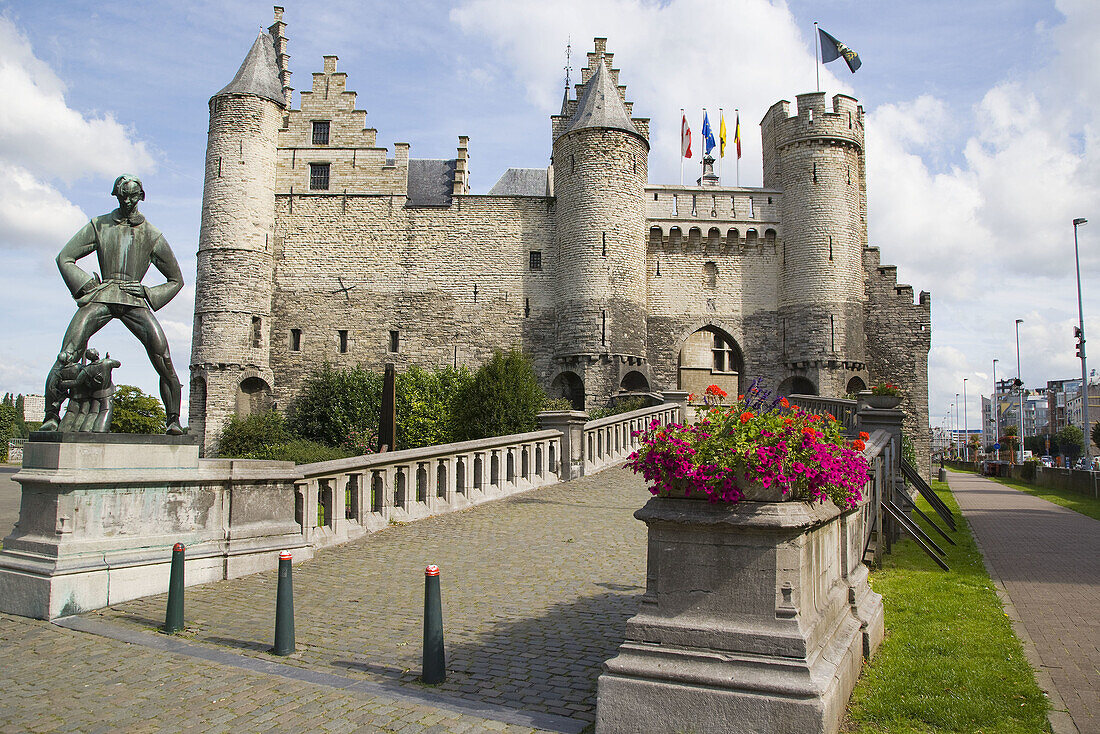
600,105
259,73
431,182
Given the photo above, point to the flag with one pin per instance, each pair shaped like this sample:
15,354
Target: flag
685,137
832,49
737,135
708,136
721,134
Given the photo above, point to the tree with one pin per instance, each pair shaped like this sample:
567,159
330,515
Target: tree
8,428
136,412
1070,442
504,397
1008,439
1096,434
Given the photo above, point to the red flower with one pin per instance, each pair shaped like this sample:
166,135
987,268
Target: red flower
746,417
858,445
784,402
864,435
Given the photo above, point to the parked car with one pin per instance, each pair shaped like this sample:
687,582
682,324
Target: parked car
1048,461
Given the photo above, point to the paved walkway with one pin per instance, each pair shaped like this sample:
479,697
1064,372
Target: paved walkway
536,592
1047,558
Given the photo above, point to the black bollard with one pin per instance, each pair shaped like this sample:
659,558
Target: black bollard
173,617
435,663
284,609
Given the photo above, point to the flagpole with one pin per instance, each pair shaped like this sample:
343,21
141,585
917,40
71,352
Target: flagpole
736,153
702,147
721,119
681,146
817,54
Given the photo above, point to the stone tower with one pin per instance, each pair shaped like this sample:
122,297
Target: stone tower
600,163
230,366
816,159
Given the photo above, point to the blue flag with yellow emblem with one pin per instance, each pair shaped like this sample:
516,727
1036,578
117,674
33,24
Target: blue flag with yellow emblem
832,49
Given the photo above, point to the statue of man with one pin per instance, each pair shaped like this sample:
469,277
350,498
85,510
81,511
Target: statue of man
126,245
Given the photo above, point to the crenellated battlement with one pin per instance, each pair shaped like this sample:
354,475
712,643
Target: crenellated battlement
813,121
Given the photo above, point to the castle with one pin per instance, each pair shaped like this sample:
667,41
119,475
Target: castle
317,244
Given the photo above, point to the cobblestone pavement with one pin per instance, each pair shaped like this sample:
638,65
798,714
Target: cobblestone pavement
56,680
1048,560
536,592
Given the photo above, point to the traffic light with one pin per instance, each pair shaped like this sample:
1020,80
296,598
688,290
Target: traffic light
1080,337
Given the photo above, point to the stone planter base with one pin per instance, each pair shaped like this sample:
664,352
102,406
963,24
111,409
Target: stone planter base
756,618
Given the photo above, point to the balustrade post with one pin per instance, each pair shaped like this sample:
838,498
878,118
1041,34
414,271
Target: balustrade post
570,423
680,398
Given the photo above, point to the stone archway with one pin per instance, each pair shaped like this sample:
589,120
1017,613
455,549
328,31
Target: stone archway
570,386
634,381
797,385
710,356
855,385
253,396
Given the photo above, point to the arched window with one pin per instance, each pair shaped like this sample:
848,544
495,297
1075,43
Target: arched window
634,381
750,237
733,237
675,237
714,239
855,385
569,385
769,237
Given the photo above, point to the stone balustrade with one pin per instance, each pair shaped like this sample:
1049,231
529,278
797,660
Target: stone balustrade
343,499
611,440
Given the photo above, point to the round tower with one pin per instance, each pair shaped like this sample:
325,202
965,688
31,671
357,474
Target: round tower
230,370
600,162
816,159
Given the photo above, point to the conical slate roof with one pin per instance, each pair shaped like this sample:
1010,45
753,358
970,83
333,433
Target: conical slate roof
259,74
600,105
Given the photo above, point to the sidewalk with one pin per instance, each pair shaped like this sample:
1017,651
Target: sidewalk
1047,559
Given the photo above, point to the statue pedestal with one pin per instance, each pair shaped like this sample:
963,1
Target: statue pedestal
99,515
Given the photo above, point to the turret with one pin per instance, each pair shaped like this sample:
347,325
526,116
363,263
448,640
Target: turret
816,159
600,163
230,369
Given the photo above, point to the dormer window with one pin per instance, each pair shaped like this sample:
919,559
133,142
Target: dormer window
320,132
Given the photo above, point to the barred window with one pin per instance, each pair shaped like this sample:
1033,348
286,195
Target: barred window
318,176
320,132
535,261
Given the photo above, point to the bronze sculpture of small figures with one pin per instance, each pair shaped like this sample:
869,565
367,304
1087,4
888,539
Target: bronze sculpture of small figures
91,394
125,245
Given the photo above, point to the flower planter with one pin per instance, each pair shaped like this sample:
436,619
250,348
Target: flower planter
882,401
755,618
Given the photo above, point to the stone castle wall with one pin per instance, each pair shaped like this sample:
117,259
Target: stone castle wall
365,272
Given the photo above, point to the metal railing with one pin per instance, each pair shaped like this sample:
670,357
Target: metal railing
841,409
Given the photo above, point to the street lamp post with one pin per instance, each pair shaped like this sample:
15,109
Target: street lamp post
958,443
1081,331
1020,379
994,404
966,424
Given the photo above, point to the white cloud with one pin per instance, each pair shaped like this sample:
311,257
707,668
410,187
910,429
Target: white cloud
40,132
663,62
32,213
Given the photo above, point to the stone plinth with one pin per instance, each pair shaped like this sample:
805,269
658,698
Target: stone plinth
747,624
99,515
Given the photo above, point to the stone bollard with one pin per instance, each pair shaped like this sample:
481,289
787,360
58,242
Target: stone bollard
173,616
435,663
284,608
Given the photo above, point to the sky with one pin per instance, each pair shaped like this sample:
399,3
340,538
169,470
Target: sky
981,143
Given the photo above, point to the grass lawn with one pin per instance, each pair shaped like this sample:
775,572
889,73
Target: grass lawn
950,661
1070,500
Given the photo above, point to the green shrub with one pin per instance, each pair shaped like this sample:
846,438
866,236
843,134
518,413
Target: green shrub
337,407
298,450
908,453
242,437
504,397
1029,469
136,412
426,404
623,406
562,404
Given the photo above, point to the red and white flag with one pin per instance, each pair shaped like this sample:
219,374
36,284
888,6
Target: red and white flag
685,137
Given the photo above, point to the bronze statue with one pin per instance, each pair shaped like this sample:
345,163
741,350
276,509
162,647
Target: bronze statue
91,394
125,245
